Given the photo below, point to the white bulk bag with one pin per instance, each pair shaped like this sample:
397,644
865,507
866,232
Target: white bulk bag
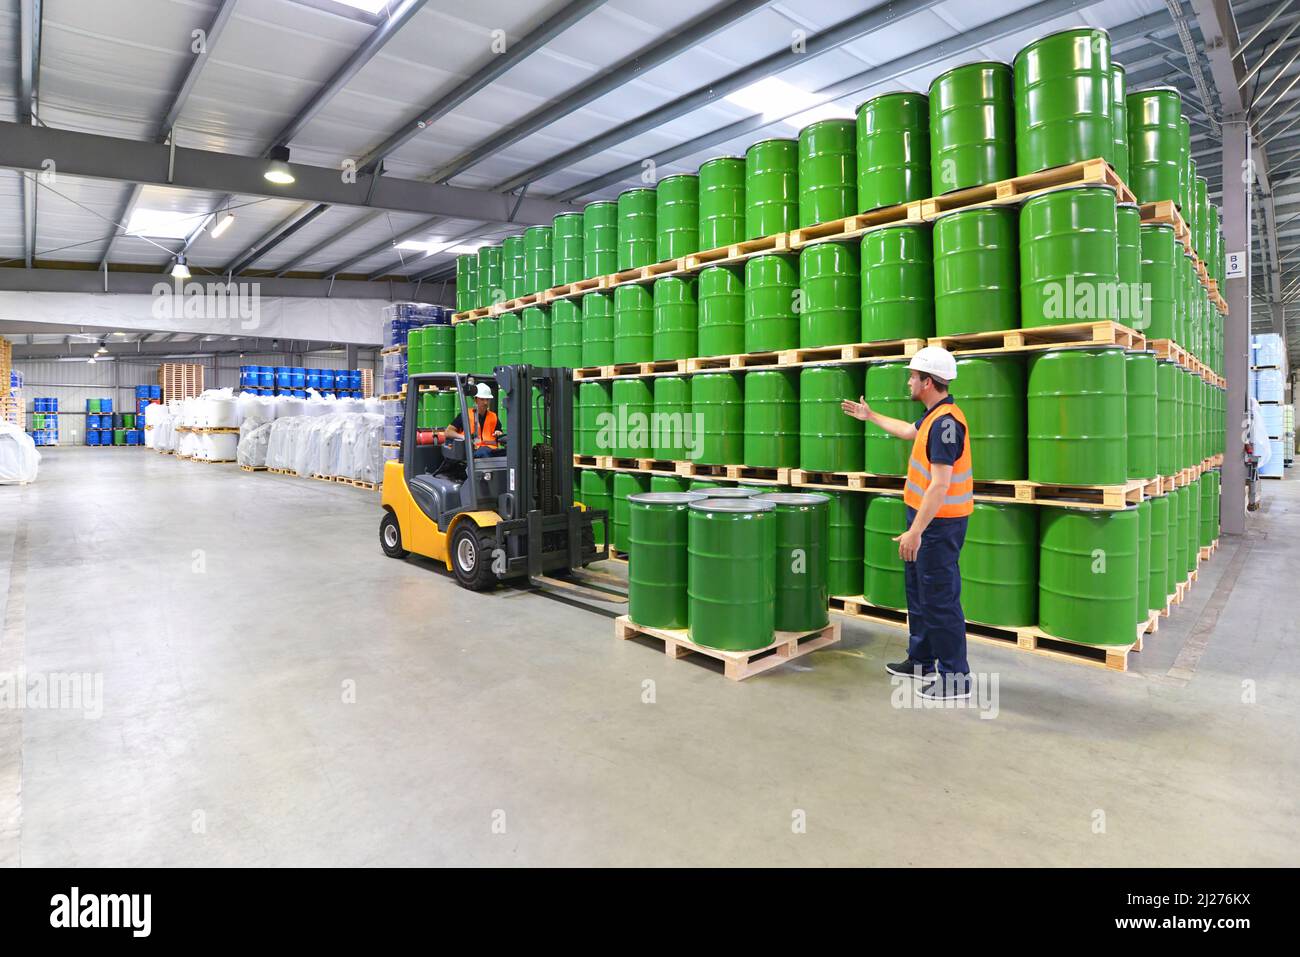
19,459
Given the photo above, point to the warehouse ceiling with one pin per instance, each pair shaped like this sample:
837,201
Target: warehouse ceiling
521,105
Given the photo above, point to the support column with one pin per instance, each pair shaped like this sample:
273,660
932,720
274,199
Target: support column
350,356
1236,331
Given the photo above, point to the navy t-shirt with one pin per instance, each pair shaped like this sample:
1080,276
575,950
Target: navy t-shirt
946,439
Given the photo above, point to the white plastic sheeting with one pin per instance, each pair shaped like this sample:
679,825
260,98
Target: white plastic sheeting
19,459
338,444
254,435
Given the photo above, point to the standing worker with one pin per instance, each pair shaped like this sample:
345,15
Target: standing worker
483,427
939,493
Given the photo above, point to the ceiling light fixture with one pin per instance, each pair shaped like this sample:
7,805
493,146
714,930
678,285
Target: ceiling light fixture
180,271
277,171
222,225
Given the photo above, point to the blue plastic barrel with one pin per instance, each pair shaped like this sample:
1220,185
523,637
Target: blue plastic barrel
92,437
283,377
105,405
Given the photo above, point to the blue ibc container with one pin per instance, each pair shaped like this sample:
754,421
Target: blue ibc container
92,437
142,392
155,392
92,421
394,420
1272,418
106,405
133,436
1273,469
283,377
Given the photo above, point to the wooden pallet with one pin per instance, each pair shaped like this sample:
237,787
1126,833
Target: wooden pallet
575,289
586,461
1018,189
1100,332
758,474
853,352
356,483
393,350
737,665
851,227
737,252
283,472
212,461
1208,550
252,468
738,362
697,470
1101,497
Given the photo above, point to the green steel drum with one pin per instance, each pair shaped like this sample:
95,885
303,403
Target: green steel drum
599,239
595,402
466,348
718,404
634,314
897,284
1069,261
847,522
490,276
510,339
828,177
676,315
1142,404
1063,100
537,259
699,484
770,320
566,333
567,259
1184,163
119,436
513,273
1127,301
1192,213
466,282
1193,525
772,419
771,188
1201,235
830,307
671,427
732,574
883,577
1154,144
829,440
1209,508
802,559
975,264
721,298
633,404
677,216
487,345
1168,421
1189,420
596,492
1087,575
1078,417
625,485
893,133
414,355
735,491
1177,547
657,558
1140,610
1119,121
999,565
536,348
597,329
991,392
722,202
888,394
1161,252
636,228
669,483
1212,213
1157,595
972,127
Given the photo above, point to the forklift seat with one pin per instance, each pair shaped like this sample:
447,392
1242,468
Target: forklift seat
435,494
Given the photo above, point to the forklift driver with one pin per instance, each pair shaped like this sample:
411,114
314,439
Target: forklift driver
482,424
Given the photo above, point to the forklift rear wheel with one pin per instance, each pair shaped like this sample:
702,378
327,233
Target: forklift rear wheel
390,537
471,558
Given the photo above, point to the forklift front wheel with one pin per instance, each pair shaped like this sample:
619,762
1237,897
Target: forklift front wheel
471,558
390,537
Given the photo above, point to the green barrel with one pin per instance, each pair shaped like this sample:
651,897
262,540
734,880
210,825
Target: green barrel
677,216
671,428
669,483
599,239
466,347
1119,122
699,484
466,282
1143,584
1184,163
636,228
1157,594
490,276
1201,237
1215,238
1189,419
893,135
414,353
1177,547
676,315
596,491
722,202
537,259
1087,575
735,491
771,188
595,402
828,171
658,530
1143,406
567,259
718,404
510,339
1063,100
897,283
634,319
566,333
847,523
830,306
888,394
536,347
770,319
975,282
633,404
1069,260
1078,417
772,419
1127,300
991,392
487,345
1182,441
119,436
999,565
1154,144
597,329
1193,525
1159,276
882,580
829,440
972,127
512,267
732,576
439,347
625,485
802,559
1209,508
721,297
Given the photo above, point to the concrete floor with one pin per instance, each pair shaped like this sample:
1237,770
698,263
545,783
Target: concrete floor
230,613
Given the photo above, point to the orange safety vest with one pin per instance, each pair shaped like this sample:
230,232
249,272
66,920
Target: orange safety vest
486,431
960,500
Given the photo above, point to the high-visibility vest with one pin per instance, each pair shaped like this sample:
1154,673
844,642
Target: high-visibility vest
960,498
485,435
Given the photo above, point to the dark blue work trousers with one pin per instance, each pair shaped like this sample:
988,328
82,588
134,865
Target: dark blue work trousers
934,616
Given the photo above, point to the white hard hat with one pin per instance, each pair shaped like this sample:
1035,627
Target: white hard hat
485,391
936,361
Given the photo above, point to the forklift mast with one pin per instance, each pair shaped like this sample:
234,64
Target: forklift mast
541,458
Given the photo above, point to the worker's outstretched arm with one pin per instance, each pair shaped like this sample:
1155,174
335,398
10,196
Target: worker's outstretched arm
895,427
909,543
452,432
